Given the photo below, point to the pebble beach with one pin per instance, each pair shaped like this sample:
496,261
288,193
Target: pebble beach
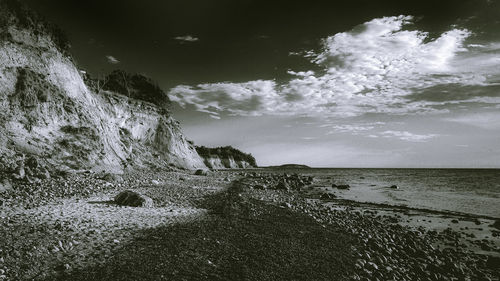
230,225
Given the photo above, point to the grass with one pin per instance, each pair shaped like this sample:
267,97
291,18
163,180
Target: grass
242,239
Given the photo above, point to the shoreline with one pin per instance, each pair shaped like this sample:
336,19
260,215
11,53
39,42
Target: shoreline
225,205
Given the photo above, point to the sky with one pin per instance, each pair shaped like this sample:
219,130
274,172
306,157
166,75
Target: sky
321,83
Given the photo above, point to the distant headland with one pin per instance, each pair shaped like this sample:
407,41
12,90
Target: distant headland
291,166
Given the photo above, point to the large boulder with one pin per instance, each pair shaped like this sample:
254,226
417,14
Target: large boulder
133,199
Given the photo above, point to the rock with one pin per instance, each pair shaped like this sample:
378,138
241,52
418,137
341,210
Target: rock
20,173
493,262
496,224
5,186
283,185
155,182
327,196
133,199
394,186
28,171
343,186
454,221
226,179
32,162
200,172
109,177
62,267
43,174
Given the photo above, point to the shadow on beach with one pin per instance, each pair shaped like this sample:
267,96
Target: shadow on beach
241,239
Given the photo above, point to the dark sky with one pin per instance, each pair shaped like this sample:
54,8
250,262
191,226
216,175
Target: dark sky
325,83
238,40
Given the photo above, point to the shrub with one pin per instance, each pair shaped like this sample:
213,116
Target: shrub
15,13
136,86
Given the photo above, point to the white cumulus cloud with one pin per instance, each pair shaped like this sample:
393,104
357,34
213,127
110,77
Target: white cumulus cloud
374,68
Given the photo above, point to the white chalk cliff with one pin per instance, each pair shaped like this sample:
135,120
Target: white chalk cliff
47,110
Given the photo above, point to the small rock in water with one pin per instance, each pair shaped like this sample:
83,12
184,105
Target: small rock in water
133,199
454,221
394,186
343,186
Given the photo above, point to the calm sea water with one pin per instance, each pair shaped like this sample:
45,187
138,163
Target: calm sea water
472,191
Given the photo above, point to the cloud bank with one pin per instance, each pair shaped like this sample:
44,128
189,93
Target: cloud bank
377,67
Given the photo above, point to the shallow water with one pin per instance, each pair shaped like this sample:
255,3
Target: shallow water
472,191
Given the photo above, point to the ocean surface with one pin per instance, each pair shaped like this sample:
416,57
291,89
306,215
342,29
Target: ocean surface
471,191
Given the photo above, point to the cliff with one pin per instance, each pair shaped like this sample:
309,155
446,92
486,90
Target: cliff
49,113
226,157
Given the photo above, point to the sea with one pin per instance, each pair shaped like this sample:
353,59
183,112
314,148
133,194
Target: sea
468,191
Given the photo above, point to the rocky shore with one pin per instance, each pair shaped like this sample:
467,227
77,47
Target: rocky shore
227,225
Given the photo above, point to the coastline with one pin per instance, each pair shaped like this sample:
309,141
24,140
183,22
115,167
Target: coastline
221,227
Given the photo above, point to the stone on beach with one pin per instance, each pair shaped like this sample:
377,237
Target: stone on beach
283,185
109,177
327,196
5,185
133,199
200,172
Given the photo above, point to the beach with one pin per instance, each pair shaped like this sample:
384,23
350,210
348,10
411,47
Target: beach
260,224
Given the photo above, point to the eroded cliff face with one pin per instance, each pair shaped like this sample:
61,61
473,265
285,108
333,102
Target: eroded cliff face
217,163
226,157
47,110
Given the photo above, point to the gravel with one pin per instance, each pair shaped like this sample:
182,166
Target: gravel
205,227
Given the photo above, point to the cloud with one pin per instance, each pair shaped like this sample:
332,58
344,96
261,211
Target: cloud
186,38
377,67
407,136
248,98
112,60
